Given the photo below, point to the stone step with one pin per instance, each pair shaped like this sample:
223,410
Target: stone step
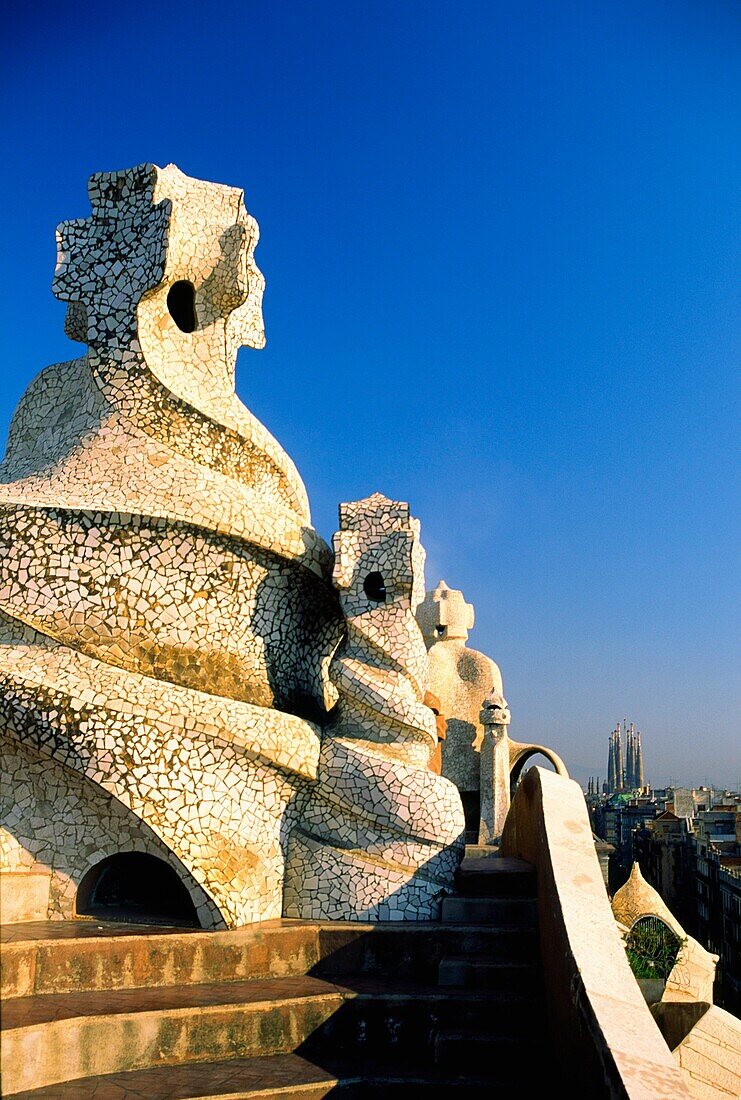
520,1061
496,876
478,973
480,851
61,1037
65,957
264,1078
490,910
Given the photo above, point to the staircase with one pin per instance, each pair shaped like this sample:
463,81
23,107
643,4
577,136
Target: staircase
499,894
284,1008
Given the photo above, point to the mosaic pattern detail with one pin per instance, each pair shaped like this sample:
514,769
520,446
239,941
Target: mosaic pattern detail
51,817
380,835
163,596
169,628
460,677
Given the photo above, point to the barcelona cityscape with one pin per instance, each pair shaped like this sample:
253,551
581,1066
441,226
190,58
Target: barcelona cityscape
686,842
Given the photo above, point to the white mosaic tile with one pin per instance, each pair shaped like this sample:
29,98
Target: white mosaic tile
168,617
380,835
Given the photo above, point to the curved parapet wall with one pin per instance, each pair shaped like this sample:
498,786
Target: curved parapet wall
519,754
166,610
604,1031
380,835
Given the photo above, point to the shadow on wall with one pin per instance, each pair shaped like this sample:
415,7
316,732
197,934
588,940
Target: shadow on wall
297,618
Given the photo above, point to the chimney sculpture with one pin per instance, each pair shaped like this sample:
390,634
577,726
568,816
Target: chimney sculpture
166,613
379,835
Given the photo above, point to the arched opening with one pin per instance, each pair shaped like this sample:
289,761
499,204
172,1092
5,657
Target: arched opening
374,587
524,762
138,888
181,304
652,948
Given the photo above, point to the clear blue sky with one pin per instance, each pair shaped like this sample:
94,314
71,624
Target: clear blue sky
501,247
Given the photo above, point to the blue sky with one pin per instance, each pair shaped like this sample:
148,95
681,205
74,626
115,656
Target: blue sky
501,246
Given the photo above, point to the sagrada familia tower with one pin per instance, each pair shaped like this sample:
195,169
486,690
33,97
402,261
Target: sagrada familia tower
624,773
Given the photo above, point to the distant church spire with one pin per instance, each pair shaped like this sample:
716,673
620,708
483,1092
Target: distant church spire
615,770
629,759
627,775
639,773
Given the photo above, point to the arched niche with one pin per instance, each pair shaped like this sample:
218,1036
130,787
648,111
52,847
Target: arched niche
135,887
652,947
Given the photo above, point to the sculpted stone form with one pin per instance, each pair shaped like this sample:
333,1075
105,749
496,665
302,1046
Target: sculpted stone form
380,835
161,587
460,677
477,754
167,613
502,762
693,974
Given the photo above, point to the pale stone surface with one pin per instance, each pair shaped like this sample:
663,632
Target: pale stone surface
638,899
495,768
710,1056
477,754
380,835
693,974
161,587
24,895
460,677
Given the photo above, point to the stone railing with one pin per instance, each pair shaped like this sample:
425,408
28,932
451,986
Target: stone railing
603,1030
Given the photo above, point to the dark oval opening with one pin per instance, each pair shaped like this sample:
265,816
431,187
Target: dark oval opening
137,888
181,303
652,948
375,588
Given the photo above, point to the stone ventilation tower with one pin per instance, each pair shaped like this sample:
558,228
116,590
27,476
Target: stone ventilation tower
380,835
166,611
461,678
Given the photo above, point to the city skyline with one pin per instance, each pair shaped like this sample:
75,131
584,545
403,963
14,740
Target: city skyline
634,776
501,257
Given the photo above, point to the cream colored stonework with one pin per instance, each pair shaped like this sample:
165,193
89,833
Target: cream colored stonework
164,600
460,677
502,763
693,974
709,1056
380,835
